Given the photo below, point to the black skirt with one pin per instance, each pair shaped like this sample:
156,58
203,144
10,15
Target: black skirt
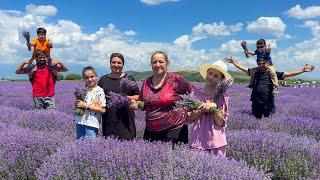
176,135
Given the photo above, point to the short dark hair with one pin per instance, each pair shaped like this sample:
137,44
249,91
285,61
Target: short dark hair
261,59
41,30
119,55
88,68
261,42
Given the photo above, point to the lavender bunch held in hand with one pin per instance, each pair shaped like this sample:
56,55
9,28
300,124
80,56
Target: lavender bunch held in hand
189,102
26,35
127,84
80,94
245,47
221,88
115,100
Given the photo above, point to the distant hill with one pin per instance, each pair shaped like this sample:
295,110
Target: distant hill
192,76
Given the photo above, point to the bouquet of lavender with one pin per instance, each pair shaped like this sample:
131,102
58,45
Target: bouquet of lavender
26,35
127,84
245,47
80,94
221,88
190,102
115,100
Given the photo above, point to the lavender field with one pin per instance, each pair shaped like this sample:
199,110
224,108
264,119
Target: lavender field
40,144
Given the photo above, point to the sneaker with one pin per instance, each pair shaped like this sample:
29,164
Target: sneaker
275,91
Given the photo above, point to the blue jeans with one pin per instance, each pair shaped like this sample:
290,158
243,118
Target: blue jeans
86,132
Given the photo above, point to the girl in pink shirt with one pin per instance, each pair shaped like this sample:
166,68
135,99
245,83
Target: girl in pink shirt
206,134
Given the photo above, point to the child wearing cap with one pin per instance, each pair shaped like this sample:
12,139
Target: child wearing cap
206,134
41,43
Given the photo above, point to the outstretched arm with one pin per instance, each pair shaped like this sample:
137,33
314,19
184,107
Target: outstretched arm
231,60
306,68
250,52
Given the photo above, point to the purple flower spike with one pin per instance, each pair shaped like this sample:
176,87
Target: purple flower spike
222,88
115,100
245,47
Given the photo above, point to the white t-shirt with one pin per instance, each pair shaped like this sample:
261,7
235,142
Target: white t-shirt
91,118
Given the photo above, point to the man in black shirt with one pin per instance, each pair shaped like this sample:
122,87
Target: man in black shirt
262,97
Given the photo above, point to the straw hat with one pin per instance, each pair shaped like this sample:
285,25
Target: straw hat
218,65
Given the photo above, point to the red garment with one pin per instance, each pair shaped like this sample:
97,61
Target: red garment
43,81
159,103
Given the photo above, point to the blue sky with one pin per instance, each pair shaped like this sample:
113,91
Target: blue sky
191,32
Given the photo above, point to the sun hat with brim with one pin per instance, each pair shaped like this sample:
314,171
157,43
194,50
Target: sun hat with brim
218,65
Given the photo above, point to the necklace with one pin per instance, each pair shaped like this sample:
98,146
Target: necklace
157,82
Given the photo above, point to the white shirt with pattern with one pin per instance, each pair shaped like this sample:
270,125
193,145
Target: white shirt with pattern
91,118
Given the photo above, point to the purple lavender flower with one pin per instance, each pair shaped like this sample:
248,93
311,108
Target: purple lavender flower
137,159
127,84
115,100
190,102
22,151
245,47
80,94
26,35
222,88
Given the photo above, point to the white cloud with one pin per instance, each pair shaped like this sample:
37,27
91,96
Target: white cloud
73,46
41,10
130,33
296,56
268,25
203,31
182,40
231,47
157,2
314,26
216,29
307,13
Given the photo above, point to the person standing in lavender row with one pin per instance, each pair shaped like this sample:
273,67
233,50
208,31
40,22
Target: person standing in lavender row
43,80
208,131
159,94
119,122
261,96
94,103
263,51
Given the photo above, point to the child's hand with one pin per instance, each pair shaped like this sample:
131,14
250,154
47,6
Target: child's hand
134,104
229,59
81,104
207,105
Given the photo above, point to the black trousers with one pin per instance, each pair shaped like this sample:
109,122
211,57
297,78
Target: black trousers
178,135
265,109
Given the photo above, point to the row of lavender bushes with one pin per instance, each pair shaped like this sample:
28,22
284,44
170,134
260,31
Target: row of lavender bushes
271,145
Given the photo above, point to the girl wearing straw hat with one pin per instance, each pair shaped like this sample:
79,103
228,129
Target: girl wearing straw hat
208,131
